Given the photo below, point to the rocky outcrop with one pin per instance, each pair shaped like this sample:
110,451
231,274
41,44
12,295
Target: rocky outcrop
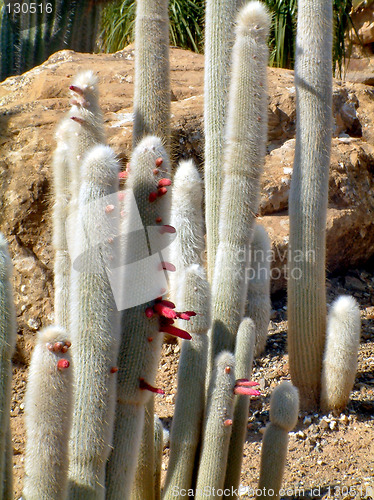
33,103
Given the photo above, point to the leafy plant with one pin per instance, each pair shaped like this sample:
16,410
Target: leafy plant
186,24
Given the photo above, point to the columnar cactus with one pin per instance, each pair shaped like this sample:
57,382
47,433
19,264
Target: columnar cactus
219,23
341,351
190,402
62,262
258,286
308,198
244,349
7,343
144,487
142,325
48,416
152,102
284,409
217,428
94,326
245,149
187,218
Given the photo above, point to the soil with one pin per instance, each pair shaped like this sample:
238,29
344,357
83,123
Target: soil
329,456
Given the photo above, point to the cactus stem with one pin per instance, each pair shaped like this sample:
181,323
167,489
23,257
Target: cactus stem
159,161
176,332
63,364
152,197
164,182
167,229
162,191
121,196
144,386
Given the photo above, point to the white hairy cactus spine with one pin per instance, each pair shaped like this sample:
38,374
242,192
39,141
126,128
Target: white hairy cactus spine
217,427
244,349
284,409
94,326
61,185
187,217
258,282
190,402
152,102
48,413
219,23
341,351
246,134
309,197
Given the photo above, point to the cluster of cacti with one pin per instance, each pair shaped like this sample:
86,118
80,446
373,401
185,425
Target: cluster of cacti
111,254
31,32
308,211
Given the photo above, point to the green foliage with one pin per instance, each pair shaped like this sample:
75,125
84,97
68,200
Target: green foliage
282,32
186,24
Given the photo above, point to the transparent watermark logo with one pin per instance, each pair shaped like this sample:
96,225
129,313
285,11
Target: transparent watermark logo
107,236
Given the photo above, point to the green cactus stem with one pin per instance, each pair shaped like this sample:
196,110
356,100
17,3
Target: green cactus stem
219,23
284,409
258,281
7,345
187,218
341,352
245,149
62,263
190,402
244,348
95,327
152,101
217,427
308,199
48,415
144,483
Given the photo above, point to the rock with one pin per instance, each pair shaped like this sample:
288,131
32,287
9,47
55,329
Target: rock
33,103
353,283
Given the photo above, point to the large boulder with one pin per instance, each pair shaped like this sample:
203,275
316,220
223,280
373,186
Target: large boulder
33,103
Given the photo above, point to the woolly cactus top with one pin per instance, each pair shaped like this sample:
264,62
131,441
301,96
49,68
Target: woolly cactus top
284,406
254,18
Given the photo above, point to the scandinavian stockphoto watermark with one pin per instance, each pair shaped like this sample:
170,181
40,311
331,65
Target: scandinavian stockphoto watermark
336,492
274,264
107,235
